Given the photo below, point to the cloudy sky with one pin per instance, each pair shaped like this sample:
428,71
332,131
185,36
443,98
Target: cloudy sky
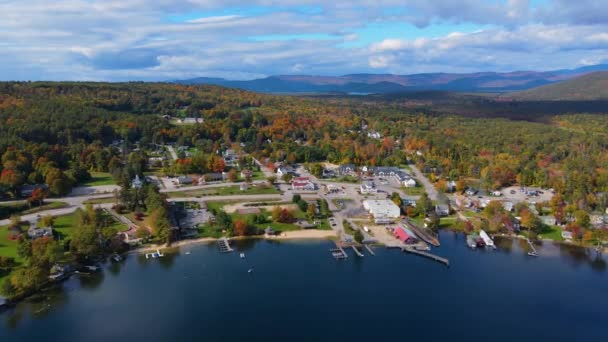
119,40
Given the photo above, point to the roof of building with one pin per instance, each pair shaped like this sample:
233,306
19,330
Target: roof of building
401,234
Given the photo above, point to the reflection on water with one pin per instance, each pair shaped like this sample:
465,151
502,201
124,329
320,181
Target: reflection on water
194,269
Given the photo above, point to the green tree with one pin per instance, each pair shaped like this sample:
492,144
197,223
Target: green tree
311,211
358,236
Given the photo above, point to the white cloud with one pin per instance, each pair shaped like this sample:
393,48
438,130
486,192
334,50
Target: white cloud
121,39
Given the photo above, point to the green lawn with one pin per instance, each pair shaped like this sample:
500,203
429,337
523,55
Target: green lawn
100,200
100,178
8,248
225,190
415,191
553,233
447,222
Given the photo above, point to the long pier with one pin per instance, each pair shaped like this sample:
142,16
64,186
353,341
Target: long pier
338,252
369,249
356,251
422,233
224,245
427,255
533,253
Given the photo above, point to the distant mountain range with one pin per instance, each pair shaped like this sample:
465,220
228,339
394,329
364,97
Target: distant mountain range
490,82
589,87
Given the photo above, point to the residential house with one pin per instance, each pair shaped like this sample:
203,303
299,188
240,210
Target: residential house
346,169
214,177
230,158
409,183
508,206
36,233
374,135
302,184
184,180
442,209
284,170
451,186
328,173
566,235
367,188
385,171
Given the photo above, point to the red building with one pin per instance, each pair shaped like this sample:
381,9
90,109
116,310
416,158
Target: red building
403,236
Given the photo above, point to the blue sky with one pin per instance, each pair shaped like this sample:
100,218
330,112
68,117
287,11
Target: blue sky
117,40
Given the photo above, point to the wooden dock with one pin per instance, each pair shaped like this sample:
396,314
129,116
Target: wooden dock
424,234
338,252
369,249
533,252
427,255
357,251
224,245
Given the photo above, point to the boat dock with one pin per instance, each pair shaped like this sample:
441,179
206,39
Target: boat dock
356,251
427,255
224,245
369,249
424,234
338,252
533,249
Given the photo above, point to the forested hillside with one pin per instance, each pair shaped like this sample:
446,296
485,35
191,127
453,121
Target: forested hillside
57,133
591,87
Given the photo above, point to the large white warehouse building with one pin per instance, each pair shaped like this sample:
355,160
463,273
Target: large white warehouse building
382,210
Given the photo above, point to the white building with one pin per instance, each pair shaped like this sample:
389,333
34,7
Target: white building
302,184
409,183
368,188
382,210
374,135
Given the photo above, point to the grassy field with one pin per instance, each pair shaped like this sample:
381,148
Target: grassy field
553,233
100,200
415,191
100,178
447,222
8,248
225,190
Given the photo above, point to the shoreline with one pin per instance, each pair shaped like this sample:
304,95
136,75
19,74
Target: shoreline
309,234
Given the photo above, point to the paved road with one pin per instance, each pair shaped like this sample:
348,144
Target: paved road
429,188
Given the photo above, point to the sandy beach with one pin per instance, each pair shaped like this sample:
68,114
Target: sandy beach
307,234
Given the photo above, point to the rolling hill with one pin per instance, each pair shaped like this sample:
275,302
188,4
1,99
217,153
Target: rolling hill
488,82
589,87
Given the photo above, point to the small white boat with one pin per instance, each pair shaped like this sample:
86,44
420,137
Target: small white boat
242,255
250,270
533,254
187,253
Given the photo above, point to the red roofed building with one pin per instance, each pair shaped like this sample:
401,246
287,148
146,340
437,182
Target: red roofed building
403,236
302,184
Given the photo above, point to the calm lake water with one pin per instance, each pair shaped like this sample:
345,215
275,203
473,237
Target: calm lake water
297,291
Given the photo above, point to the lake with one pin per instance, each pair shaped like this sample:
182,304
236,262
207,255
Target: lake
297,291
